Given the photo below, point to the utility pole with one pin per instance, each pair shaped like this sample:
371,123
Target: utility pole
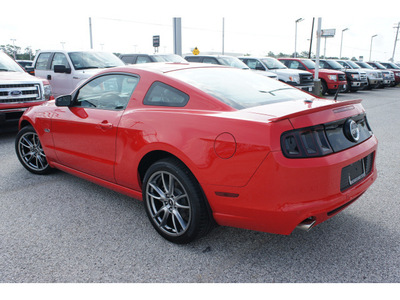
317,81
370,48
295,36
90,32
177,27
395,40
223,36
311,38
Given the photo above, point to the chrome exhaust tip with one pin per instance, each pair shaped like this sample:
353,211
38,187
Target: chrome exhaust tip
307,224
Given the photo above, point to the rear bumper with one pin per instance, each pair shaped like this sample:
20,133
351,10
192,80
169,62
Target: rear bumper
284,192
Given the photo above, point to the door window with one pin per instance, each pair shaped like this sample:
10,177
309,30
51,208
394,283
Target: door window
41,62
59,59
255,64
111,92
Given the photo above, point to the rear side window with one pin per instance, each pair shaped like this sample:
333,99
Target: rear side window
161,94
41,62
143,59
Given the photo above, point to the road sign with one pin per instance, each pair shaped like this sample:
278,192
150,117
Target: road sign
328,32
156,41
196,51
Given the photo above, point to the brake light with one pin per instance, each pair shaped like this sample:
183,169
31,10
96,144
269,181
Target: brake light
305,142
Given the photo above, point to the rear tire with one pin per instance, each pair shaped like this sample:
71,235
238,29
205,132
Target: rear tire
30,151
174,202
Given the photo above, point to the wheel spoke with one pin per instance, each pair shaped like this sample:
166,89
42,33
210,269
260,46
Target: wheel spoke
181,221
165,218
158,191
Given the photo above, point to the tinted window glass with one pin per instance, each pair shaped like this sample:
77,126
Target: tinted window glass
255,64
59,59
128,59
143,59
111,92
193,58
210,60
161,94
239,88
41,62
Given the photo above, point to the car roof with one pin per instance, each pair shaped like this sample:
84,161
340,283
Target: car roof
165,67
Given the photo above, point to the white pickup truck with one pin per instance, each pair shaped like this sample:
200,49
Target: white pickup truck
65,70
298,78
18,90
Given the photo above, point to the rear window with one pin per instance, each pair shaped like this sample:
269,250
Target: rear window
238,88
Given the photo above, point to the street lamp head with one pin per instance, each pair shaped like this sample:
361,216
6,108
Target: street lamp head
299,20
345,29
374,35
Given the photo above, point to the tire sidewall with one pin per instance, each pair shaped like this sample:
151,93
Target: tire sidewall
195,197
21,133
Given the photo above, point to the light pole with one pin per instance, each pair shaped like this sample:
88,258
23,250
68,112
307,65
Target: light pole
370,48
295,37
13,40
341,43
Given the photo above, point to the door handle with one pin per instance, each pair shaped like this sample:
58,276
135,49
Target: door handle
105,125
48,77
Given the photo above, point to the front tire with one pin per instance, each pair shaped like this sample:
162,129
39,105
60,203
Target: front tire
30,151
174,202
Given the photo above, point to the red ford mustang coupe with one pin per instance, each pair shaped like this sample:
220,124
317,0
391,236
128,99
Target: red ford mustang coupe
205,144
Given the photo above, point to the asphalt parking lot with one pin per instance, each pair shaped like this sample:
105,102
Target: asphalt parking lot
59,228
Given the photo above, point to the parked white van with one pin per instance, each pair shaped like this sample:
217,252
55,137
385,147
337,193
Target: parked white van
65,70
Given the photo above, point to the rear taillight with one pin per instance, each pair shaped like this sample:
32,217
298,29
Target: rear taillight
305,142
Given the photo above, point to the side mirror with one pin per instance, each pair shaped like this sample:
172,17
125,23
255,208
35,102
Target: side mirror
64,100
61,69
30,70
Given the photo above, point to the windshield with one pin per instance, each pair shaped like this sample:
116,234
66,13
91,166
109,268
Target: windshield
273,64
169,58
7,64
335,65
379,66
233,62
390,66
309,63
94,60
238,88
364,65
353,64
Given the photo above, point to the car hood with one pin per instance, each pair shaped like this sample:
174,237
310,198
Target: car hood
290,72
86,73
328,71
291,109
18,76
